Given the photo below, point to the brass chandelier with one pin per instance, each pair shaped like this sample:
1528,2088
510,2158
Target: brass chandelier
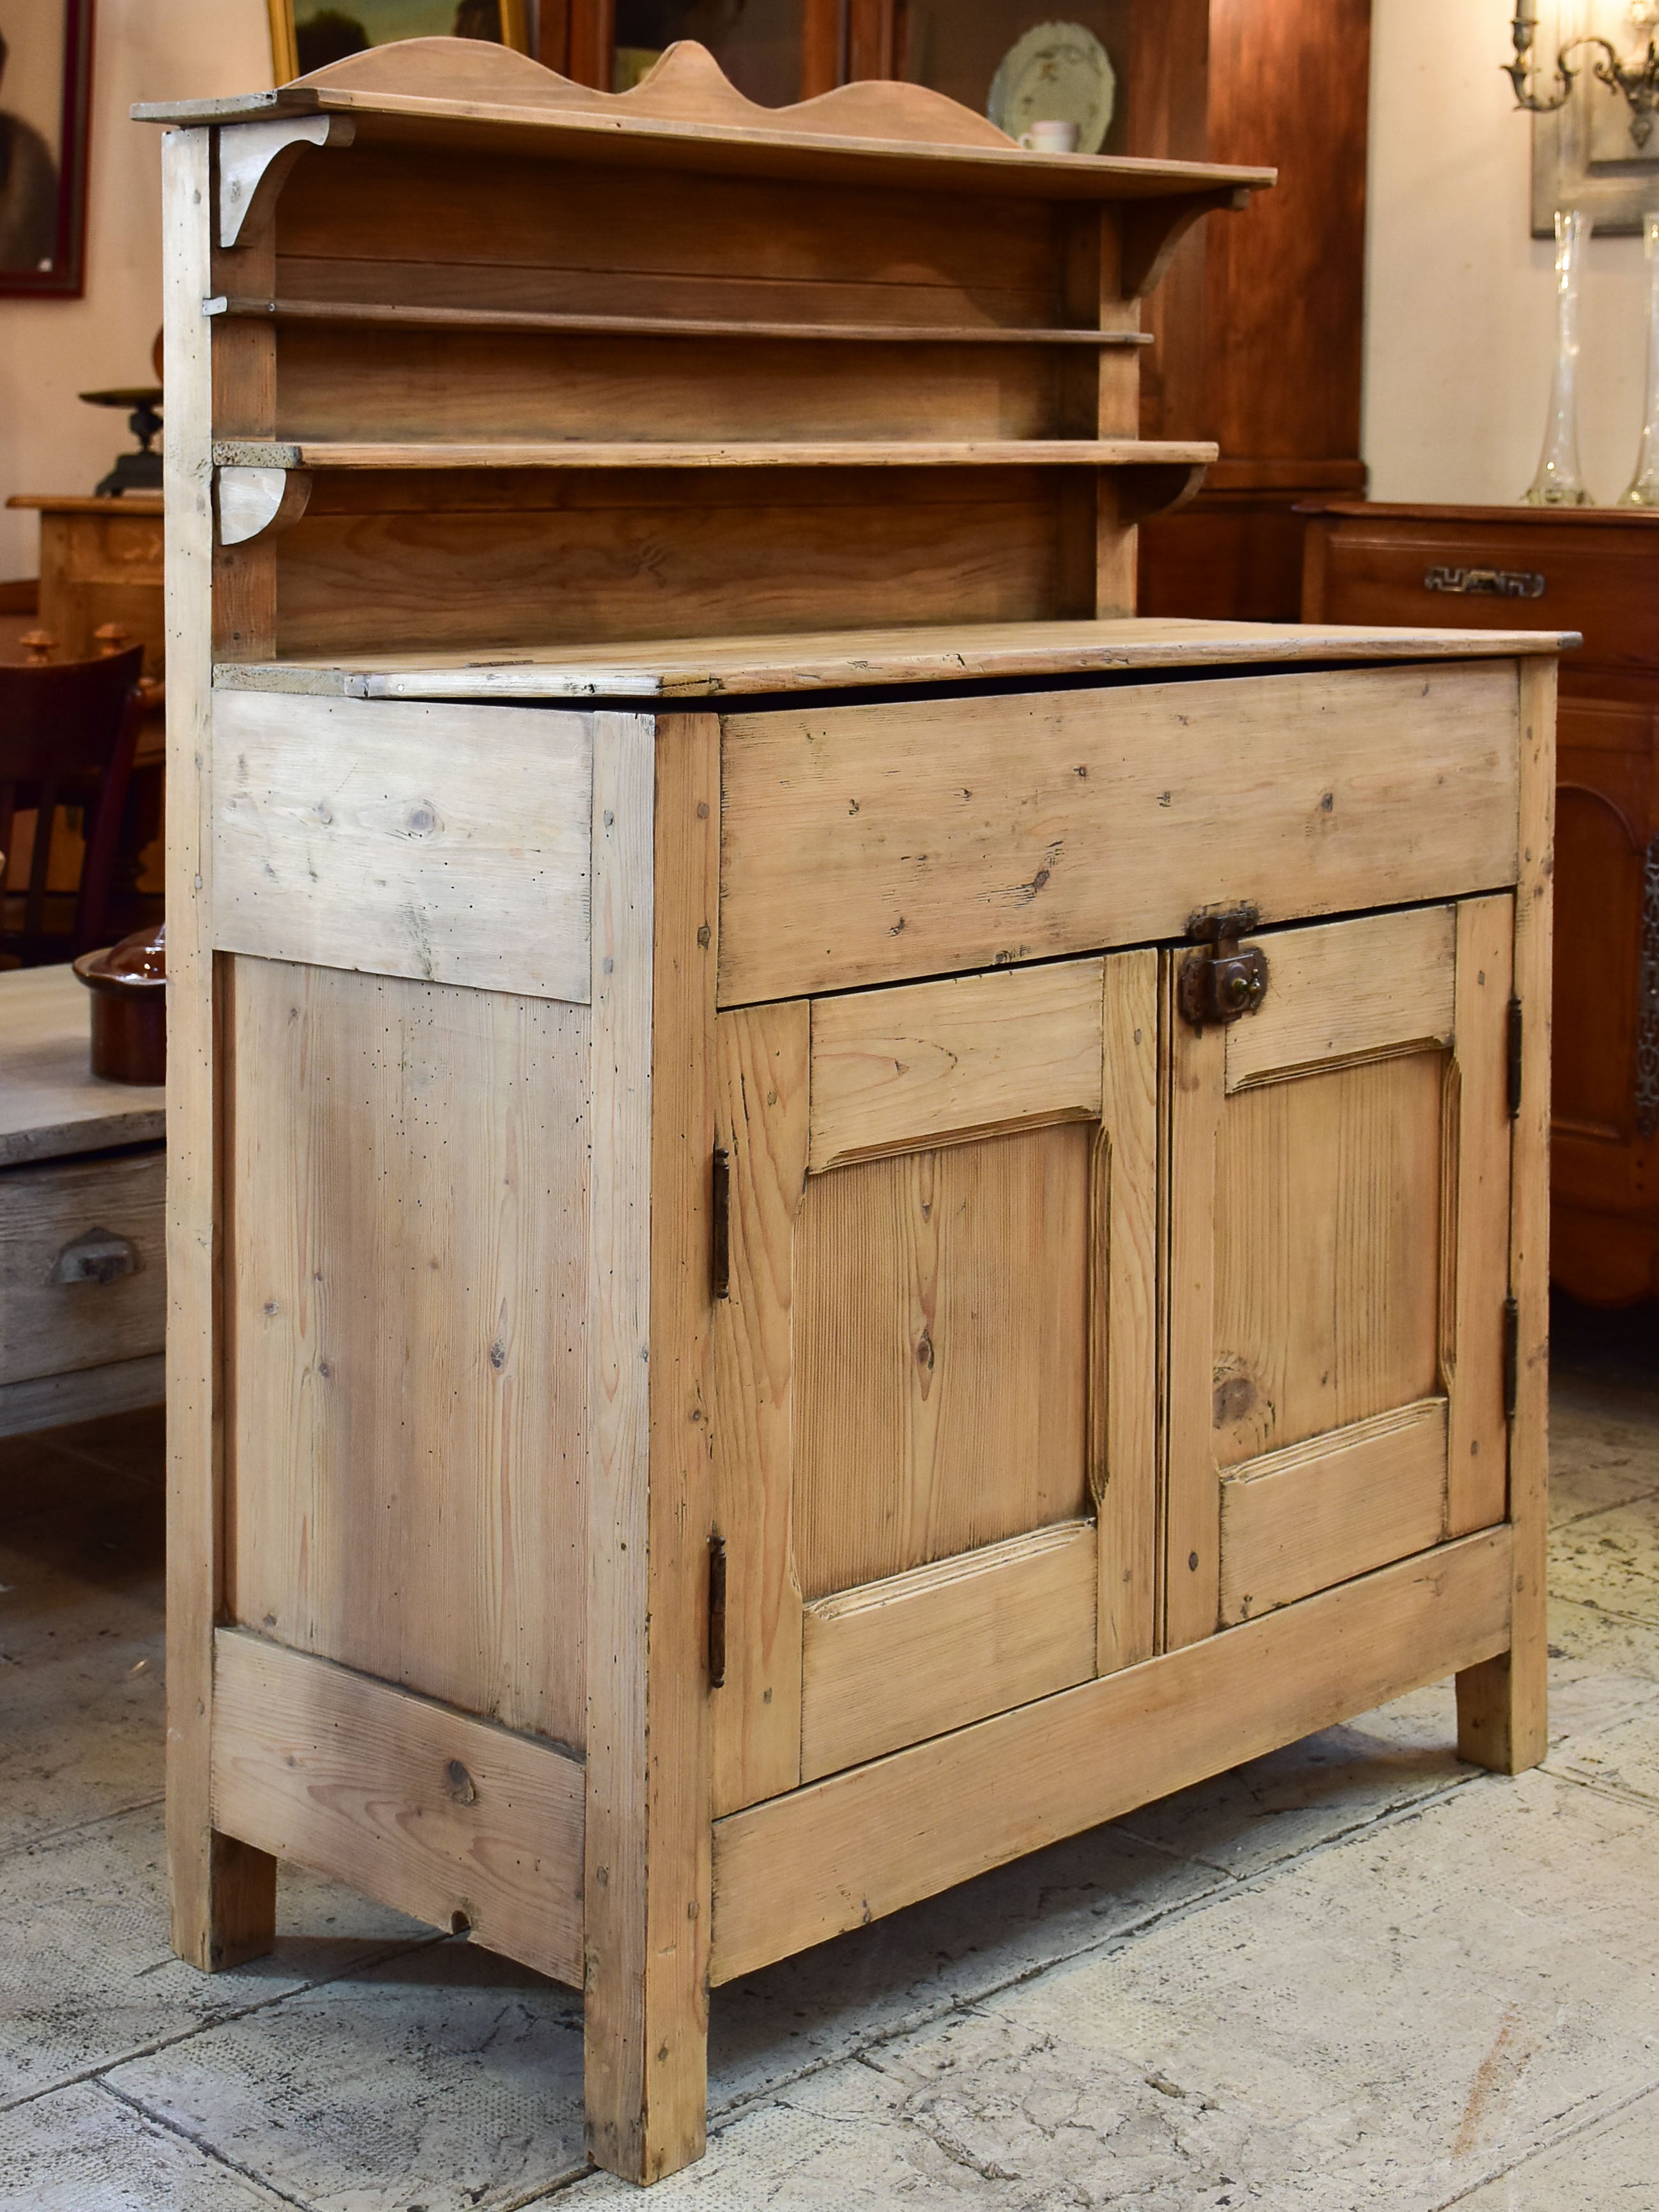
1637,79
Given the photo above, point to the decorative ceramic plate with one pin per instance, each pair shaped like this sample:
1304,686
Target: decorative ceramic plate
1057,72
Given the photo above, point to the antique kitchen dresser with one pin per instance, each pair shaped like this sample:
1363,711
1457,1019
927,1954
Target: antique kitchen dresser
804,1254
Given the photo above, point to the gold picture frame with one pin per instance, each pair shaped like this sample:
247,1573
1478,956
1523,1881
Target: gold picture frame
370,16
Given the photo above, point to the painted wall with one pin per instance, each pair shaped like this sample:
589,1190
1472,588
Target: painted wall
1460,316
50,349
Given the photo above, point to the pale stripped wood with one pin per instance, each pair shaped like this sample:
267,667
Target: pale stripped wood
1123,1286
902,1660
47,1325
736,666
851,1848
445,843
669,2012
895,1069
763,1072
865,844
319,453
616,1347
1298,1520
1352,990
1196,1078
409,1221
434,1812
223,1892
1328,1262
941,1353
1503,1708
1477,1476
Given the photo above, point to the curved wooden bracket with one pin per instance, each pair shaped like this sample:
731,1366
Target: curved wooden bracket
1156,488
1153,228
254,160
259,502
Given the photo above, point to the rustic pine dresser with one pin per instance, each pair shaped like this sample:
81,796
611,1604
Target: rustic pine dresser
834,1210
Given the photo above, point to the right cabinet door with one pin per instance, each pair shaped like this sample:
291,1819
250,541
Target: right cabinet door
1338,1192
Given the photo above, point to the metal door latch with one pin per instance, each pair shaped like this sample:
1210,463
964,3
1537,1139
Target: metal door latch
1229,978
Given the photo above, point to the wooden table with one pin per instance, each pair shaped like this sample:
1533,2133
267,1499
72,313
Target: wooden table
82,1274
1595,570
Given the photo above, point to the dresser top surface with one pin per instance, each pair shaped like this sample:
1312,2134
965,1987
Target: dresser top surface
1486,518
839,660
51,1103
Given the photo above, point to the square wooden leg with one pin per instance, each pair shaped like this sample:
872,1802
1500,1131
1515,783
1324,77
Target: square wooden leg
1501,1713
224,1904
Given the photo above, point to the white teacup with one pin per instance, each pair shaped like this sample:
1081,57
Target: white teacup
1051,136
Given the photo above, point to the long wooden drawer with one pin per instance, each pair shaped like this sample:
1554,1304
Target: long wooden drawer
1483,575
82,1272
867,844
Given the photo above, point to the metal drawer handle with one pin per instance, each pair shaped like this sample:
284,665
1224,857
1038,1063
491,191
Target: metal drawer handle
1496,583
99,1256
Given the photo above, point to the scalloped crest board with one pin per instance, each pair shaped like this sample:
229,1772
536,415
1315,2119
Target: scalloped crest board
754,1331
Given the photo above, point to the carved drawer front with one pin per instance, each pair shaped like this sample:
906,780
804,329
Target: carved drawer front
935,1369
865,844
1338,1167
82,1263
1580,579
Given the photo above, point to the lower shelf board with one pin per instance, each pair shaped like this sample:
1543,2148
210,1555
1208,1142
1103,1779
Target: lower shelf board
448,1818
797,1869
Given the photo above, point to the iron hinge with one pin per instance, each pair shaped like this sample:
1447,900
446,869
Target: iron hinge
1514,1057
720,1240
1511,1357
716,1612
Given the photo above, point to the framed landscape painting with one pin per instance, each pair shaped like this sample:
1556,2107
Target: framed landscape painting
46,80
308,35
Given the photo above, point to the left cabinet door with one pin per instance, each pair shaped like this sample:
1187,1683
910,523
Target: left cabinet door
935,1357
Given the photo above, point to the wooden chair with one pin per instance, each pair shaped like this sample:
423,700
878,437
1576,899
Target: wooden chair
67,734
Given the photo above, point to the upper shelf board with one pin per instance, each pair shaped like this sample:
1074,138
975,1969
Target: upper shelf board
733,667
685,113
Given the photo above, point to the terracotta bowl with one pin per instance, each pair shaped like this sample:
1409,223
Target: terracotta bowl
128,983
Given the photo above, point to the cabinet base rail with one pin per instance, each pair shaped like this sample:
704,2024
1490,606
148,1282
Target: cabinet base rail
462,1823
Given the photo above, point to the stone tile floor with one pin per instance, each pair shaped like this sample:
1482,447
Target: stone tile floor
1354,1974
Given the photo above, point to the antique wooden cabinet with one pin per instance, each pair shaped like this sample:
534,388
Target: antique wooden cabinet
1592,570
804,1254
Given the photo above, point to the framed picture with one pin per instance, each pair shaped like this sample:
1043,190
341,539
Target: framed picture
46,80
308,35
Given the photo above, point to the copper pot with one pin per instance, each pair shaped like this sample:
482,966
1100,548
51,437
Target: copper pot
128,983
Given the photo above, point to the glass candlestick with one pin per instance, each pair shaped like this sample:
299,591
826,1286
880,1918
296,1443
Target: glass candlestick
1560,481
1643,489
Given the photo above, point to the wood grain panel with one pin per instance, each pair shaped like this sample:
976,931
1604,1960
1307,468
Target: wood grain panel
407,1285
1328,1261
223,1892
867,844
1381,984
1479,1257
1503,1706
908,1067
445,843
942,1353
847,1850
905,1659
763,1094
47,1325
650,553
1124,1382
1320,1512
437,1815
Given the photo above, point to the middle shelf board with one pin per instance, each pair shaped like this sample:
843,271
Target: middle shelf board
664,453
381,315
